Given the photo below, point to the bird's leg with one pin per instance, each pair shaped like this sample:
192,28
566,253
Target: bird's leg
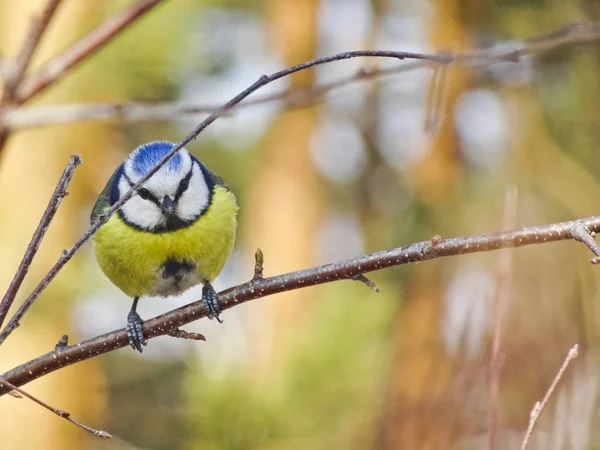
135,334
210,300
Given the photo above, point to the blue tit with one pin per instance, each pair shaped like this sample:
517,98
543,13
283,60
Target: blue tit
177,231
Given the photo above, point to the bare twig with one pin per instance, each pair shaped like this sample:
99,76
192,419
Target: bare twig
59,193
539,406
81,50
38,116
253,289
60,413
61,114
15,71
501,298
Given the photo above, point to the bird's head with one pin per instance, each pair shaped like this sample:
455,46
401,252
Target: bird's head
173,198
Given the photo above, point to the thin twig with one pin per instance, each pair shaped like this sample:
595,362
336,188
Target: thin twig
16,70
60,114
58,412
539,406
37,116
500,301
59,193
82,49
253,289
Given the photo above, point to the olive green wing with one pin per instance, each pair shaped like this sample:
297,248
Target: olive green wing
103,200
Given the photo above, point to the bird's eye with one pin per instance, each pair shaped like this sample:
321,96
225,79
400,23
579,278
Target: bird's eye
144,193
185,183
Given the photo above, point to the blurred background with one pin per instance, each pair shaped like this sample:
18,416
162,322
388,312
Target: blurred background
361,168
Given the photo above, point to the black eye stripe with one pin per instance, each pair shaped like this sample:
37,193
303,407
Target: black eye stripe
184,184
151,197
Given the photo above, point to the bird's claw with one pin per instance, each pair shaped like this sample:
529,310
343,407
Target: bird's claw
210,300
135,333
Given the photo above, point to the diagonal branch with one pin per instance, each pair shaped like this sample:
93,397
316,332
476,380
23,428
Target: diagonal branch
349,269
82,49
539,406
59,193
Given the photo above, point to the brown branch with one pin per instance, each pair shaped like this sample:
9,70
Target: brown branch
60,192
539,406
78,52
15,71
253,289
58,412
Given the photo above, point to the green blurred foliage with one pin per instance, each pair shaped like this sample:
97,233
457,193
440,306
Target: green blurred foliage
327,394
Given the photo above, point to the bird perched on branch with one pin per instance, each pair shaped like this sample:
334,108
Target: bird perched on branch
177,230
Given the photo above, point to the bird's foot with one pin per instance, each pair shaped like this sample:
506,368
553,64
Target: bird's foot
210,300
135,333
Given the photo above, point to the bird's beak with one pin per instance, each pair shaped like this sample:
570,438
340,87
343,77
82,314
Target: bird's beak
167,205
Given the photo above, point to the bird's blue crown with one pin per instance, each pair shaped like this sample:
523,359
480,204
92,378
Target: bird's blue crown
146,156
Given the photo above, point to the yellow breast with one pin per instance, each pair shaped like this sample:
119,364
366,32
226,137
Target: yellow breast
132,259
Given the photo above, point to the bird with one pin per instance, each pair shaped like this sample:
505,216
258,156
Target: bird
175,232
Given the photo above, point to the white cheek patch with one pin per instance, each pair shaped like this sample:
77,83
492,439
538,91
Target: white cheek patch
138,211
195,199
